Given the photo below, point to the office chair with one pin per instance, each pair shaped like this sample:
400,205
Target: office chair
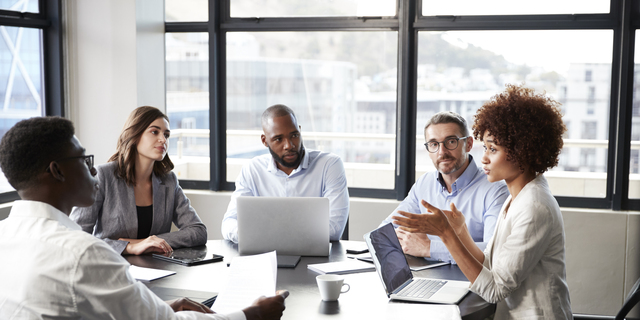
632,299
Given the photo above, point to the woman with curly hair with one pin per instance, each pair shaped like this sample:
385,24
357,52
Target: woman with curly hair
523,266
139,196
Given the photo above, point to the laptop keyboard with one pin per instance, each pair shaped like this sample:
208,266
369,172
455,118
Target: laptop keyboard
422,288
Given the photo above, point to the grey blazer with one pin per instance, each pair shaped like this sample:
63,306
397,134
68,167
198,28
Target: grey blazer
114,215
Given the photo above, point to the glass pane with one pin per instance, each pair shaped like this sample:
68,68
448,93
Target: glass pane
20,79
186,10
20,5
459,71
305,8
510,7
187,85
341,85
634,166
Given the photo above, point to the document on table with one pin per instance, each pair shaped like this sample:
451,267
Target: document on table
250,277
148,274
342,267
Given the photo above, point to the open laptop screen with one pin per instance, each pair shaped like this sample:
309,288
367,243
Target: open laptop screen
393,267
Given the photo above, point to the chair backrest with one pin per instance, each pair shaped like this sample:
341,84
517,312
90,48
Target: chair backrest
632,299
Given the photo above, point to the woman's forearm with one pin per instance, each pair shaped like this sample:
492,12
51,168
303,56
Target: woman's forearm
470,244
467,261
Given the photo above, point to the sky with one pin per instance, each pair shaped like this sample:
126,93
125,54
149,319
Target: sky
553,50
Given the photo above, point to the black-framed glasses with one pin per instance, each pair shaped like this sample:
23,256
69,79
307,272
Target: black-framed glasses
88,160
449,144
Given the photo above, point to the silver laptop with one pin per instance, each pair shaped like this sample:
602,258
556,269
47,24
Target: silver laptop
290,225
396,276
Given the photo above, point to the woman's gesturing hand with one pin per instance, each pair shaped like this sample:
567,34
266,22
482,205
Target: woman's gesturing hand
434,223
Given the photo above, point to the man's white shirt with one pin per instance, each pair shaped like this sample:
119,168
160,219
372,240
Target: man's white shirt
53,269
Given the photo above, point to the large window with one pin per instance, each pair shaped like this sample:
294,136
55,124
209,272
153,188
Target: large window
509,7
30,70
459,70
302,8
342,86
634,158
364,77
187,85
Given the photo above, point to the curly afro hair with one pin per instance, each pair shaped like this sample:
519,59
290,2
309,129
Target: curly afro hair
528,125
30,145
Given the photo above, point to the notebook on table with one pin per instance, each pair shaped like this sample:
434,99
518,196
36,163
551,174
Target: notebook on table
396,276
288,225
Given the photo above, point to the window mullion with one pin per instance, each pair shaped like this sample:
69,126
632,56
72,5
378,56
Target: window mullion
406,102
621,111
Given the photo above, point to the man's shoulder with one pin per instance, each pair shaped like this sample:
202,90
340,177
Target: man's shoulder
261,160
77,242
427,177
317,156
79,239
481,182
257,164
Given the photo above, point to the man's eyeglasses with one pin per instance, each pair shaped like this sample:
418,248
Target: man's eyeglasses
88,160
449,144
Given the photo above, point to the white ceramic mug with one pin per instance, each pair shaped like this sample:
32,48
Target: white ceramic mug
330,286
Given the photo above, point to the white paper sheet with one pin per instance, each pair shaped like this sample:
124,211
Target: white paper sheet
250,277
148,274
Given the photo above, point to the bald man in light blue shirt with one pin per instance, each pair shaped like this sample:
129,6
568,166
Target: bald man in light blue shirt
290,171
457,180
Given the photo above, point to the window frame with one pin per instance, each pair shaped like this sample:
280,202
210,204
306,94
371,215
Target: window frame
49,21
623,19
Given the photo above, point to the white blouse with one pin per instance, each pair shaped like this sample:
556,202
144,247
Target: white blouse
524,265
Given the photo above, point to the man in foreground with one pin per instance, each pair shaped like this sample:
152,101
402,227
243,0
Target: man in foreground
58,271
458,183
290,171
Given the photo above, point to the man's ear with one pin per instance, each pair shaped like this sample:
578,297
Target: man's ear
264,140
55,171
469,144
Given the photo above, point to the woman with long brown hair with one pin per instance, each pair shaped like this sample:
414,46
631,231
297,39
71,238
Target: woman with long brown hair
139,195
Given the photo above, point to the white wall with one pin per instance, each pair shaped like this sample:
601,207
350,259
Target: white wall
113,65
150,53
106,80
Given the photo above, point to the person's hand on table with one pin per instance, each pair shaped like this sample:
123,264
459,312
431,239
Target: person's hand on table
186,304
152,244
415,244
435,223
264,308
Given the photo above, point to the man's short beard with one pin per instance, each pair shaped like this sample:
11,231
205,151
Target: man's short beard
285,164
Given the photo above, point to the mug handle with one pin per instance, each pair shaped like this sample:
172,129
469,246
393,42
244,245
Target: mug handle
348,287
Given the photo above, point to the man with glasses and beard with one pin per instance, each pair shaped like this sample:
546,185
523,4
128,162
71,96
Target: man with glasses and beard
51,269
290,171
457,183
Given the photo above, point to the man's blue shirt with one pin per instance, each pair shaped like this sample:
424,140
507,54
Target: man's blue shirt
319,174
